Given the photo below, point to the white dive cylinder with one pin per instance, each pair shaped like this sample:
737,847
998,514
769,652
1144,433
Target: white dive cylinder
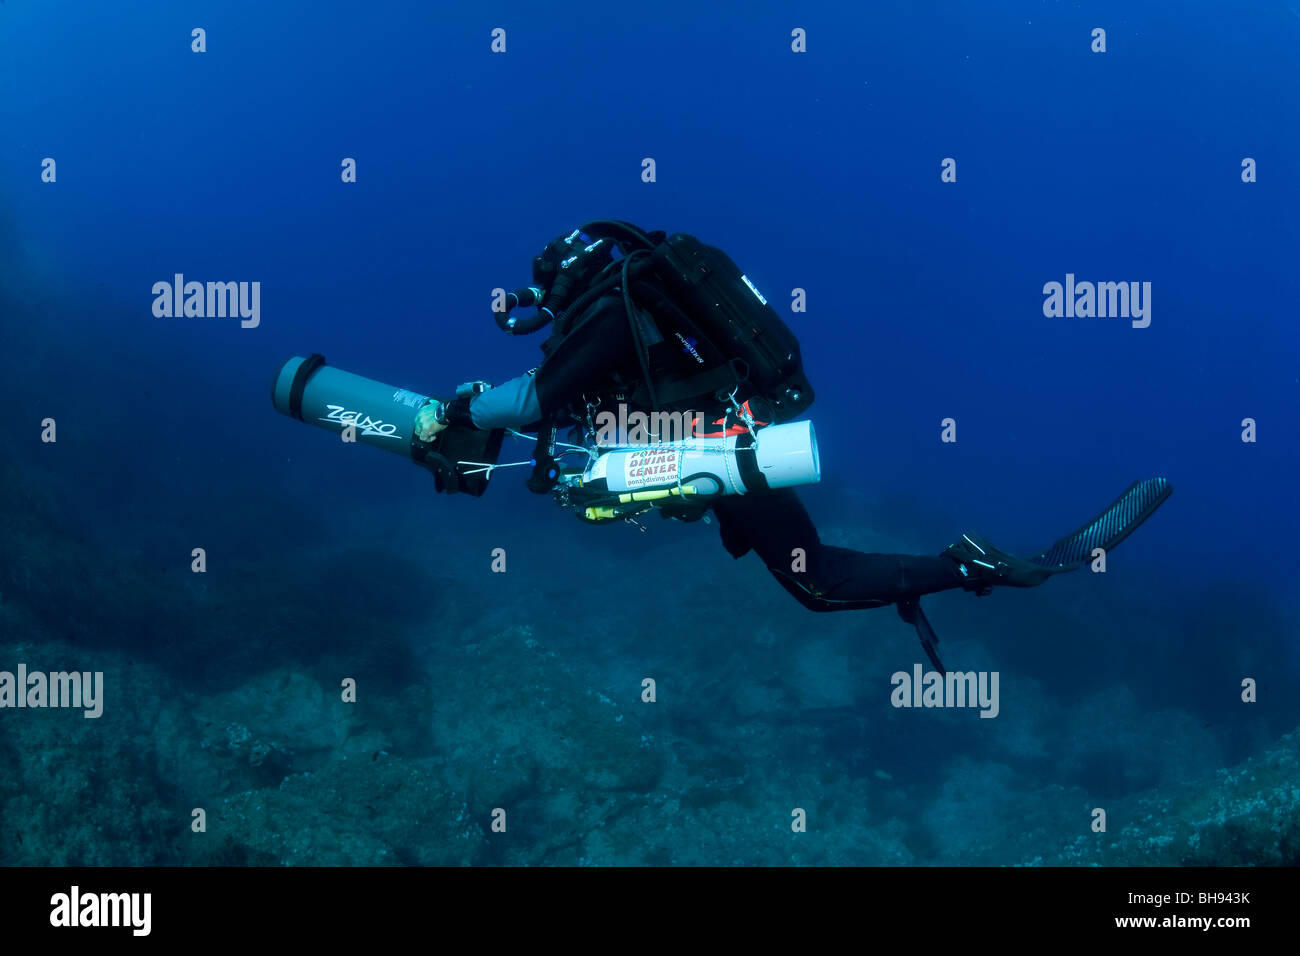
777,456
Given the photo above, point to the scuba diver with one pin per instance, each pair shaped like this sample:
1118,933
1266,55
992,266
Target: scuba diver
644,327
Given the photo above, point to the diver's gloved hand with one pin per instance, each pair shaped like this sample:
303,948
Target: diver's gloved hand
430,420
982,566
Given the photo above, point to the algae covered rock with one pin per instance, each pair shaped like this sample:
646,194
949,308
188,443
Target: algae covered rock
1248,815
521,729
350,813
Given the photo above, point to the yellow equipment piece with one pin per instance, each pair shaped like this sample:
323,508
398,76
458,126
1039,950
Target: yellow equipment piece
631,497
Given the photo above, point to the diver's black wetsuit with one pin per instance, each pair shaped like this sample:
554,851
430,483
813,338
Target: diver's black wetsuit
774,523
771,523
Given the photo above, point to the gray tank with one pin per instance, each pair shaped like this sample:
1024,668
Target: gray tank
330,398
384,416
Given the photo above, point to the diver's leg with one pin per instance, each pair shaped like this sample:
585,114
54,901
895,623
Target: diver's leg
776,526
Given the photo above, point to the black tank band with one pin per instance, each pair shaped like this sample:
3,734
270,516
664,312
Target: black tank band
747,462
300,377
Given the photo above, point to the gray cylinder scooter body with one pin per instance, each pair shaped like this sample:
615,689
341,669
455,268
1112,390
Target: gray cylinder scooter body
384,416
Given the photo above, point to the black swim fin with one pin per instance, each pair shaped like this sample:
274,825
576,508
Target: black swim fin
985,566
1109,528
910,611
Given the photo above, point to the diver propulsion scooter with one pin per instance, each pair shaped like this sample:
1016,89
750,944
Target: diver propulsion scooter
617,480
384,416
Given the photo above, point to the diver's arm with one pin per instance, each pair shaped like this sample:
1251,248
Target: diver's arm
511,404
579,365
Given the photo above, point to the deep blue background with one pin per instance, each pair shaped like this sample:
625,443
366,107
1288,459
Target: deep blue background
817,171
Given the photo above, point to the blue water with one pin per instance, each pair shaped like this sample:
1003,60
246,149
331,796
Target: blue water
818,171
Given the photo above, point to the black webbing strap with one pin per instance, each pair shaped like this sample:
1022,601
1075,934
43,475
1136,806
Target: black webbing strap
747,463
305,371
